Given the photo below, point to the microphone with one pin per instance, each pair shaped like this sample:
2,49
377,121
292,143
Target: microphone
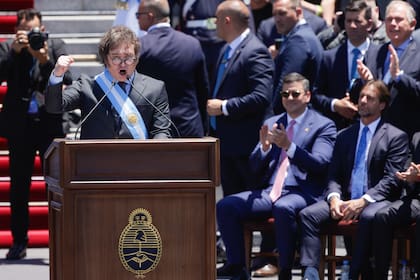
93,109
156,108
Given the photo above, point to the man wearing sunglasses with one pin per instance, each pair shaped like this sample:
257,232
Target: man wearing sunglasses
289,164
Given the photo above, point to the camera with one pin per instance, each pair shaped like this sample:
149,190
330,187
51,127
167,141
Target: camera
37,38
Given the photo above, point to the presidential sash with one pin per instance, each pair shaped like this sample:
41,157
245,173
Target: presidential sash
123,105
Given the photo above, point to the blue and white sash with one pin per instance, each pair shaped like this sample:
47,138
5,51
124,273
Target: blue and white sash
123,105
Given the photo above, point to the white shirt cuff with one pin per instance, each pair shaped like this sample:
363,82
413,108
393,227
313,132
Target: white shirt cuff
224,110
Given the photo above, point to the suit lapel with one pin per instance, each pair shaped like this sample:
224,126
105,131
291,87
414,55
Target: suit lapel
235,55
381,59
304,129
379,133
408,54
342,58
139,84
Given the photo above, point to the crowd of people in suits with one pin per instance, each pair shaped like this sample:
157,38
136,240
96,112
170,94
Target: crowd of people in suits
315,115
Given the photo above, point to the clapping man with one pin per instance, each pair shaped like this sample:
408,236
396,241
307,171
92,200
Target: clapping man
290,163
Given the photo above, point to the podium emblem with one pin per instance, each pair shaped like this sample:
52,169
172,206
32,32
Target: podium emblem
140,245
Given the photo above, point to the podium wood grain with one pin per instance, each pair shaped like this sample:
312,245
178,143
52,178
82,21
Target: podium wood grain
93,187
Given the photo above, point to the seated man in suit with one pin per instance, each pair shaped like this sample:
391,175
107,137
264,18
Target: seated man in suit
289,164
361,180
399,214
117,103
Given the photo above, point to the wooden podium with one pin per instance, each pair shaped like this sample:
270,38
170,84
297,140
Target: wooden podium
94,186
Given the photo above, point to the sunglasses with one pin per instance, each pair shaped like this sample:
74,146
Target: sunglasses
294,93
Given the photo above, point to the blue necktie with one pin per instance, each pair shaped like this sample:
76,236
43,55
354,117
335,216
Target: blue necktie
123,86
359,170
220,73
354,74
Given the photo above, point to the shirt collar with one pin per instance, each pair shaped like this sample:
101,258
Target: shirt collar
404,45
238,40
299,119
158,25
372,126
362,48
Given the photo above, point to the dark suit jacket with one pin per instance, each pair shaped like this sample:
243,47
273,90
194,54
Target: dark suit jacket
16,69
333,81
387,154
301,53
85,93
267,30
177,59
247,87
314,145
403,111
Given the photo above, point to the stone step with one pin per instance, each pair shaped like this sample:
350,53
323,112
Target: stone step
88,23
75,5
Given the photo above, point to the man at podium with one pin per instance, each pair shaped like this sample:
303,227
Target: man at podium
117,103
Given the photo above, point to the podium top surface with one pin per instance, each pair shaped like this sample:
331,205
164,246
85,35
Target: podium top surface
72,162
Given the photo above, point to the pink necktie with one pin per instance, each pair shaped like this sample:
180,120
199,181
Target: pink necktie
282,172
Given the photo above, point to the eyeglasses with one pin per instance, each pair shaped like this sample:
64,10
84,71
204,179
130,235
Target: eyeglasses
294,93
138,14
118,60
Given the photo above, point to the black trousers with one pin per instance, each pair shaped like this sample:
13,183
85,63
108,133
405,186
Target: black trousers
22,152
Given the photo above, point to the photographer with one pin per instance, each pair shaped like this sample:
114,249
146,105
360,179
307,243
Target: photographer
26,62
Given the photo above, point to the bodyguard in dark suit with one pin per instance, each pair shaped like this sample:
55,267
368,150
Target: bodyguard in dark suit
241,95
305,155
301,51
397,65
400,213
178,60
361,181
29,129
267,31
337,88
117,103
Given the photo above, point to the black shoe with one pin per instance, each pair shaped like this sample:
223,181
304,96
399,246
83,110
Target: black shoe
234,272
16,252
285,274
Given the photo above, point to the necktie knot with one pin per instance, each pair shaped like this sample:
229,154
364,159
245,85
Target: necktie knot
356,52
225,58
290,129
122,85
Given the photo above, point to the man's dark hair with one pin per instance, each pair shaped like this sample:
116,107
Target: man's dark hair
28,15
358,6
384,95
114,37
